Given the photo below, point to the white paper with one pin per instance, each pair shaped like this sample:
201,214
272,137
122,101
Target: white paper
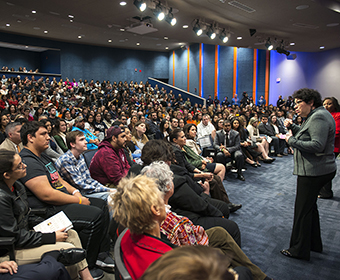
57,222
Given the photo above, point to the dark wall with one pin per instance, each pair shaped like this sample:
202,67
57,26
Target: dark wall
98,63
19,58
50,62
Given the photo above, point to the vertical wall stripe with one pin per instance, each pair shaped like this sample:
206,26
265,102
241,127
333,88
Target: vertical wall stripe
173,68
235,72
201,70
266,86
255,77
216,72
188,88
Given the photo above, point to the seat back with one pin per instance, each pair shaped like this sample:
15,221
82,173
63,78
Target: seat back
7,244
121,271
88,155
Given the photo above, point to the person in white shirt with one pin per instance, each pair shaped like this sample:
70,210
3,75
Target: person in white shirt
205,127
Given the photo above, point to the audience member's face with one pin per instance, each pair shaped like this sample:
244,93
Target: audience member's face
62,127
227,127
123,120
81,124
154,116
141,128
49,127
174,123
81,144
192,132
41,139
15,135
121,140
53,112
328,104
4,120
128,134
181,140
236,124
205,120
264,120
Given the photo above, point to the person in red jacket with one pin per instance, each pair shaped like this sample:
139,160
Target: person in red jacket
332,106
109,165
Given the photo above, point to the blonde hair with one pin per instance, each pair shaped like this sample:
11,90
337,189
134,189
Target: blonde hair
133,201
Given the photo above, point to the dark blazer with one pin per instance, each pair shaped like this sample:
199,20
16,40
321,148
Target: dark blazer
234,141
266,129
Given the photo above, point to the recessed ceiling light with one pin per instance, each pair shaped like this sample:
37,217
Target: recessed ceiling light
292,44
138,44
19,21
322,47
79,37
36,28
109,41
70,16
239,38
332,24
122,29
71,20
122,3
34,12
26,47
7,24
166,48
45,31
185,26
302,7
166,38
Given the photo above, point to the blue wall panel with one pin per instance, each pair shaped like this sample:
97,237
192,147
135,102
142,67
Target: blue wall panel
50,62
19,58
194,69
226,72
261,73
181,71
245,59
94,62
208,70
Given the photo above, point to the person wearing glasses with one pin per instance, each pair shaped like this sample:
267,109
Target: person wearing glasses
314,164
29,245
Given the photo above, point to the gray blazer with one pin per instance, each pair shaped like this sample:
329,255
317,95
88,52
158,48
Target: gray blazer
234,141
314,144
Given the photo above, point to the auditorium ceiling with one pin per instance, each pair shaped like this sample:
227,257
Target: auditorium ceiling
303,25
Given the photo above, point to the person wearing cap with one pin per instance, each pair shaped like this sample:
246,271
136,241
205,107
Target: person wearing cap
109,165
92,141
73,169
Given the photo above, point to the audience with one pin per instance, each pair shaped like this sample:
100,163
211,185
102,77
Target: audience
151,113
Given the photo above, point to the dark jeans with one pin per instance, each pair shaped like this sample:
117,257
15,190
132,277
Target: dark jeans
91,223
47,269
278,144
306,234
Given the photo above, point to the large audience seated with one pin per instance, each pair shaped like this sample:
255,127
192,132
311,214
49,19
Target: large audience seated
133,127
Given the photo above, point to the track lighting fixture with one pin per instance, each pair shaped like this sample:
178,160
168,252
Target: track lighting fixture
140,4
211,33
198,29
224,37
269,45
170,18
282,50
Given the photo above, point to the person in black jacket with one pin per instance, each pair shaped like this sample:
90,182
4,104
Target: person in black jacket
15,216
188,199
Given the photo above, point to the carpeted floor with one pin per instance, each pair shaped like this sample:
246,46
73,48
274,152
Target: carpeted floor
266,219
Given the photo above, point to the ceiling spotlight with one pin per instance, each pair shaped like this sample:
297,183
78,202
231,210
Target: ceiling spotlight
282,51
211,33
224,37
122,3
110,41
185,26
198,29
171,19
34,12
292,44
79,37
159,13
7,24
137,43
45,31
141,5
269,45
